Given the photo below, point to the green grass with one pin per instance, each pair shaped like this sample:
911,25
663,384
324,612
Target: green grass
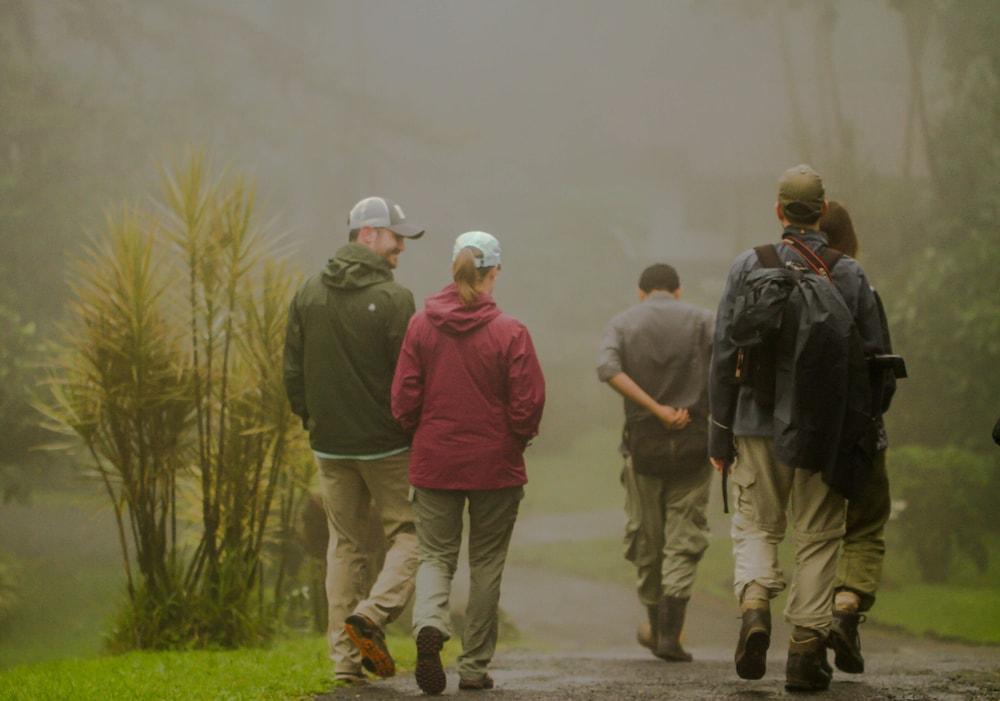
290,669
575,476
942,610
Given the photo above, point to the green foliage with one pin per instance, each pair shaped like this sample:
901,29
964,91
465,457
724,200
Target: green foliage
947,322
19,353
9,585
947,506
169,373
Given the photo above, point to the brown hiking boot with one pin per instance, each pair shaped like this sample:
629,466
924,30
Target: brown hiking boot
846,642
646,633
755,638
370,641
807,668
670,622
429,672
484,682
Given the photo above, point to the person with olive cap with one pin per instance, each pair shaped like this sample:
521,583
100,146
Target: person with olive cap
768,494
345,328
469,387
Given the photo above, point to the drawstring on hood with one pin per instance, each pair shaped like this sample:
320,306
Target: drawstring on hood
446,311
355,266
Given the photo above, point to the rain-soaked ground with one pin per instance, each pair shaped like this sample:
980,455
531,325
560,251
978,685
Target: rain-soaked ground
581,646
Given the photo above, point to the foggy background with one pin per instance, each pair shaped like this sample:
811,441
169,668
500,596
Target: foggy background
592,138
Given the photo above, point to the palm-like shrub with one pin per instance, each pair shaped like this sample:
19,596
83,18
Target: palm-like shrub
170,374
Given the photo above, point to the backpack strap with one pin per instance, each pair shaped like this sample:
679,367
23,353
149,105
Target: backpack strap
768,256
812,260
830,256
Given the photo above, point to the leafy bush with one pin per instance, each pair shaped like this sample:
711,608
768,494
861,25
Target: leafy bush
946,496
169,371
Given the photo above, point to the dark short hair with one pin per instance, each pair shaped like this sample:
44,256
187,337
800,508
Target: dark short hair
799,216
352,235
659,276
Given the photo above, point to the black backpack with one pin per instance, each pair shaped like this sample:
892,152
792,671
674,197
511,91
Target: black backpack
800,356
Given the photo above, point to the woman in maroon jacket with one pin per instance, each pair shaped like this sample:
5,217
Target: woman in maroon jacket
469,387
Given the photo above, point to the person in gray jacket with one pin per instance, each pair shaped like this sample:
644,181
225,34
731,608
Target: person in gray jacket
656,355
768,493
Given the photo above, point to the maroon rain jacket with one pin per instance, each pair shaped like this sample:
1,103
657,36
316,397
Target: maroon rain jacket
469,387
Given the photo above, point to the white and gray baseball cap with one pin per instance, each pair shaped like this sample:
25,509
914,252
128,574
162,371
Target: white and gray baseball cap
480,240
382,213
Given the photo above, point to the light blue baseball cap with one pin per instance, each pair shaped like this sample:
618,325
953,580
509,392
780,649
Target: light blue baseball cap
480,240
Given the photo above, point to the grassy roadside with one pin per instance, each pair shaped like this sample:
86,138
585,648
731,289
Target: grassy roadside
294,668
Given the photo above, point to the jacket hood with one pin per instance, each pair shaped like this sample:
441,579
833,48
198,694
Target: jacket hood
446,311
355,266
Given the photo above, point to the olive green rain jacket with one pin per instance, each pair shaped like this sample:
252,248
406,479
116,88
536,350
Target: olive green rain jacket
345,328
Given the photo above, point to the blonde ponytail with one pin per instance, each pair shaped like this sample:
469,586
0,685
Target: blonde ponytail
467,276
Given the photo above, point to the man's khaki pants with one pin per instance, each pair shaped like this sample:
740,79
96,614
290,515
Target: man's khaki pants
667,531
492,514
350,487
768,495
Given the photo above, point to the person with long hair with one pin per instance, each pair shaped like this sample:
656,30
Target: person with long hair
469,387
859,570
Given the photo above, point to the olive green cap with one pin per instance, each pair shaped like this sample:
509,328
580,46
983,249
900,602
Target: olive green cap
800,193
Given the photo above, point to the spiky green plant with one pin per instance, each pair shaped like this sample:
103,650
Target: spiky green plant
120,385
171,376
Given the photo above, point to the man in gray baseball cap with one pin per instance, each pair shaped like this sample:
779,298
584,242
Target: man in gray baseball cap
345,328
379,224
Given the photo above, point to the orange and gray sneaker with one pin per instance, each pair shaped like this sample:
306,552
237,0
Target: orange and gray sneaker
429,672
370,641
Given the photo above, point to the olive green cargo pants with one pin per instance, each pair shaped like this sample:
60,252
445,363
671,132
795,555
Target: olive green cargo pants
492,514
667,532
860,565
767,495
350,487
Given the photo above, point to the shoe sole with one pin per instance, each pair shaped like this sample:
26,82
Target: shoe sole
374,656
801,685
475,686
429,672
844,656
753,664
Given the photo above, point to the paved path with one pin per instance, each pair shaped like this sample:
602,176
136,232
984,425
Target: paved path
582,647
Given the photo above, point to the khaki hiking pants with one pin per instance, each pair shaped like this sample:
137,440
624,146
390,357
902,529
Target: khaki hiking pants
767,496
350,489
492,514
667,531
860,566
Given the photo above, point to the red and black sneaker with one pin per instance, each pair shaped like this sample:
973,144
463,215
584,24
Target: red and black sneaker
429,673
370,641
